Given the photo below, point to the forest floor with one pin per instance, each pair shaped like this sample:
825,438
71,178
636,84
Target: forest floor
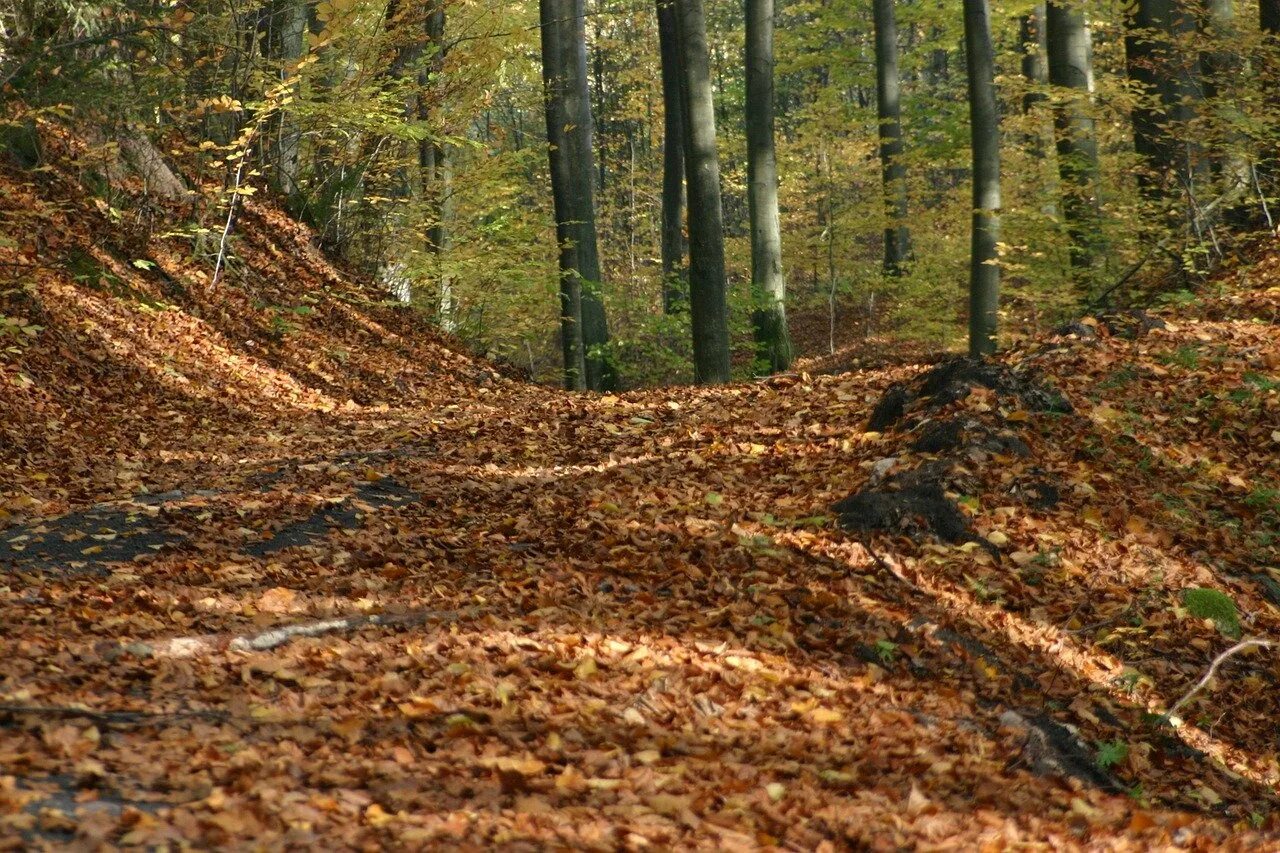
274,577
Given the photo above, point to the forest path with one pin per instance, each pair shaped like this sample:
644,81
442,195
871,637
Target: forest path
605,621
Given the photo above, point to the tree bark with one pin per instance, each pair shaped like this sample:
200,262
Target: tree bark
568,109
707,298
984,120
768,285
674,286
893,172
1071,71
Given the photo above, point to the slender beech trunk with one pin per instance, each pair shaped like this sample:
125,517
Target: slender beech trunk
984,120
893,172
284,42
1220,64
1035,49
436,166
768,285
1158,61
1183,104
568,109
707,299
1035,71
1269,24
1071,71
674,285
1143,63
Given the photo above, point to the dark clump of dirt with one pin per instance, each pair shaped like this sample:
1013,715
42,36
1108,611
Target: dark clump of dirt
946,436
908,504
939,437
890,409
954,380
1039,494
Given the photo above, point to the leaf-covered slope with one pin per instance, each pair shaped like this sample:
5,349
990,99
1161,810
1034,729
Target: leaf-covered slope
139,355
537,619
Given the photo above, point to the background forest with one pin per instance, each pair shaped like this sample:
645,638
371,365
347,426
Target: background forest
412,137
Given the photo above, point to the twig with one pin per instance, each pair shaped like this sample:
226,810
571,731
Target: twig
231,212
1213,668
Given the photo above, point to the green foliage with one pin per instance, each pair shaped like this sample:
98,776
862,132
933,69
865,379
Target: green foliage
886,651
367,96
1111,753
1204,603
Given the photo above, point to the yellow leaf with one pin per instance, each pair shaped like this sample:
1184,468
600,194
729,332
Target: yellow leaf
825,716
375,815
586,668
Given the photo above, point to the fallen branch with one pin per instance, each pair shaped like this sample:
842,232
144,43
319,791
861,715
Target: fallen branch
280,636
1213,668
188,647
111,718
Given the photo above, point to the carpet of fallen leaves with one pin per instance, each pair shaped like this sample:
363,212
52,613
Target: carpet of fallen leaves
600,621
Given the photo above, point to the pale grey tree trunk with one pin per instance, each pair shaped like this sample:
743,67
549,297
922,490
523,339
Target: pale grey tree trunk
1035,49
1035,71
1071,72
893,172
707,298
436,165
285,43
1269,24
568,110
1221,64
768,284
674,286
984,120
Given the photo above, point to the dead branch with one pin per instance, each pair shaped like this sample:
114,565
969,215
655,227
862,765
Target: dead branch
1213,668
279,636
111,718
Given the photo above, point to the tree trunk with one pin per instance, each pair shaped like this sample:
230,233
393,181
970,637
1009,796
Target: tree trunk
284,42
707,299
1221,64
1159,63
674,286
1071,71
1035,49
984,120
768,285
1269,24
1035,71
1146,58
568,108
437,172
897,238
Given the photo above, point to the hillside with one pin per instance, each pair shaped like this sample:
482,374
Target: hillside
514,616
